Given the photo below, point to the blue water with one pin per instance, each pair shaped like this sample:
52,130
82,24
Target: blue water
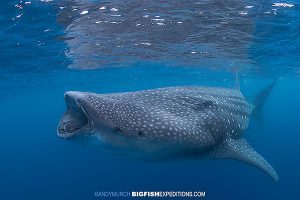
48,47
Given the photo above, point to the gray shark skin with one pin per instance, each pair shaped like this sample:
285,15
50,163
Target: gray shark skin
205,119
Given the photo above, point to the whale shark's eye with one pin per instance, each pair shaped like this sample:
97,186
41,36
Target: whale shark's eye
117,129
140,133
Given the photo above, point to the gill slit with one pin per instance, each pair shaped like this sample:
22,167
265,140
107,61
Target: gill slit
90,120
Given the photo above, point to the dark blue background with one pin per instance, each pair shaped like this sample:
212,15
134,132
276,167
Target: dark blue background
36,164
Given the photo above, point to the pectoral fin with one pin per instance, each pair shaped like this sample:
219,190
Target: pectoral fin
240,150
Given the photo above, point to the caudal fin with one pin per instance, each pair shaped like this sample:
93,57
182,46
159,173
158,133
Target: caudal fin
239,149
260,100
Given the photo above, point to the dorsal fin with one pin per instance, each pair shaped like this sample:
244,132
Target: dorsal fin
239,149
237,81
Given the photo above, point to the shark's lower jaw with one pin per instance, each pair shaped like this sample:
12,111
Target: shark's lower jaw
75,120
72,127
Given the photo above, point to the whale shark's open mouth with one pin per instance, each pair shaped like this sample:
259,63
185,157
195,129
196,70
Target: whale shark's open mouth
75,119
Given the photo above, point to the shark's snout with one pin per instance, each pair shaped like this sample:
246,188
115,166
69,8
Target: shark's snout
74,96
76,118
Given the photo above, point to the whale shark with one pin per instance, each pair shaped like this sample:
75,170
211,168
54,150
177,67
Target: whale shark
206,120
